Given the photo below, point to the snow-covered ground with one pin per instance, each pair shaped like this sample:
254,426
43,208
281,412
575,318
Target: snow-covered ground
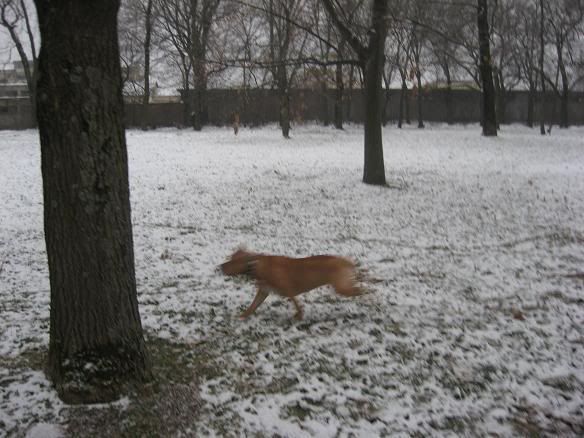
475,327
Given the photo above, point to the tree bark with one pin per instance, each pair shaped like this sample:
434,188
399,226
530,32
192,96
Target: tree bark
500,97
541,67
284,111
403,96
339,97
564,95
386,98
96,343
374,169
371,58
325,97
486,70
420,99
530,103
147,42
448,96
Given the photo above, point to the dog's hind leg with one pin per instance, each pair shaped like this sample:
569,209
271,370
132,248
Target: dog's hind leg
260,297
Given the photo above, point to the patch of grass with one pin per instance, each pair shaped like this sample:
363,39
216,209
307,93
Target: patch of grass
461,388
34,359
405,353
457,425
168,405
282,385
298,411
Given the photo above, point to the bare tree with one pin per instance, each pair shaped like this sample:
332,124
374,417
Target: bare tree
402,37
541,66
96,343
284,51
419,41
371,61
16,19
443,50
564,19
504,20
186,26
485,65
247,31
525,54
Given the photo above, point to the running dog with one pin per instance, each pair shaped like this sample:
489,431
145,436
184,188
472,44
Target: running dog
289,277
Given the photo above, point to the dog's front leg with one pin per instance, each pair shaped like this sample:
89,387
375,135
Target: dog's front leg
299,314
260,297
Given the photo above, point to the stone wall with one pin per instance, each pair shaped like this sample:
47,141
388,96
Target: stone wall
257,107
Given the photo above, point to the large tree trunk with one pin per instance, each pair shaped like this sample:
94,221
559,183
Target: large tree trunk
485,66
96,343
374,169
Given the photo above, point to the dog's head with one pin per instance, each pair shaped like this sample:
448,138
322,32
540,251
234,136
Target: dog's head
238,263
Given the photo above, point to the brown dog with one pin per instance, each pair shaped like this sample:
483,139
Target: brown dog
289,277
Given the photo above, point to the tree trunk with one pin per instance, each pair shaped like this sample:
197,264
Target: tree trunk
284,102
374,169
285,114
485,66
448,97
188,113
500,97
339,97
96,343
402,102
530,103
564,122
407,105
350,96
541,66
200,92
385,106
147,42
325,98
419,100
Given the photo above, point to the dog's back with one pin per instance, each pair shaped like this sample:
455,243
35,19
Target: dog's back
289,276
